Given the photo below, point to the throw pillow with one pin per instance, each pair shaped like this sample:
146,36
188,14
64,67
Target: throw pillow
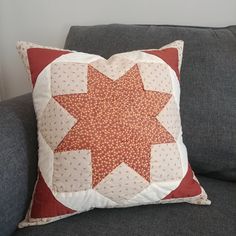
109,131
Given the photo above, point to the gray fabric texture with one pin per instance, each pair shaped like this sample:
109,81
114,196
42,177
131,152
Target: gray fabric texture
153,220
18,160
208,83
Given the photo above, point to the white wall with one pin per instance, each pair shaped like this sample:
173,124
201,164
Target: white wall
1,77
47,22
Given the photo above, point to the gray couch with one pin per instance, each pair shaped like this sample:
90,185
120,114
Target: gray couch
208,111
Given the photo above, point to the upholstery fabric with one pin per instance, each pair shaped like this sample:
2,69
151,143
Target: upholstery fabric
152,220
18,160
208,83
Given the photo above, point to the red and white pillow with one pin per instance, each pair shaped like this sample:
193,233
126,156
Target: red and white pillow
109,131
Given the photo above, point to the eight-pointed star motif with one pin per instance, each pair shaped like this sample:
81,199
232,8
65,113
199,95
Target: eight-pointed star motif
116,120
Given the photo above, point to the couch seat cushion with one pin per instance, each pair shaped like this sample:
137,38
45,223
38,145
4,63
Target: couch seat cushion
172,219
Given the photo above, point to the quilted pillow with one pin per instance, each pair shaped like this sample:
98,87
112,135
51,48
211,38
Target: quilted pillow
109,131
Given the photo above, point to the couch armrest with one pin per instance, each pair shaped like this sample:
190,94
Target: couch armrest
18,160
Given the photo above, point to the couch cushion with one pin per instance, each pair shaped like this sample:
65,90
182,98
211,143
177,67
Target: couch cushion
174,219
18,160
208,81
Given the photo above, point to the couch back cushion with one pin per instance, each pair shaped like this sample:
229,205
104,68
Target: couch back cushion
208,83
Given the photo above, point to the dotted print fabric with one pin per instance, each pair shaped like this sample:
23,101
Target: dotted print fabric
68,78
155,77
122,184
55,123
170,118
116,120
72,171
165,163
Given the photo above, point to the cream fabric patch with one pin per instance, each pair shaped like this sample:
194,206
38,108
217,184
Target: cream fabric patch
170,118
155,77
114,67
121,184
72,171
165,163
55,123
68,78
